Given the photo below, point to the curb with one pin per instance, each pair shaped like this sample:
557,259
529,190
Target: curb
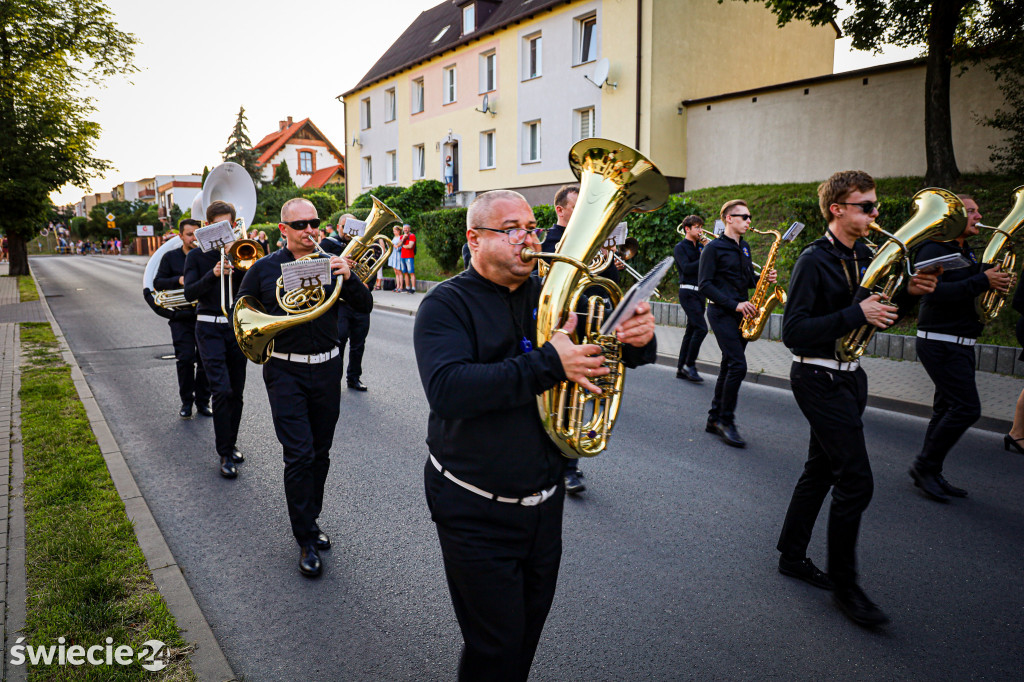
208,661
15,570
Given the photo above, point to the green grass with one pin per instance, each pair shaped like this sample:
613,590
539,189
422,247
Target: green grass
27,288
427,268
87,576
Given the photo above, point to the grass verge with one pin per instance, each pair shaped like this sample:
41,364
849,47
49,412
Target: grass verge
87,577
27,288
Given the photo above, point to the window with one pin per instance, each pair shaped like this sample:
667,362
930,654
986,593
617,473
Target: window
417,96
364,113
391,167
531,56
587,42
448,95
419,162
389,105
531,142
487,149
440,34
488,73
585,124
468,19
367,172
305,162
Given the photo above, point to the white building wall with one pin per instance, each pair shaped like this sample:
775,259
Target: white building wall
377,140
290,153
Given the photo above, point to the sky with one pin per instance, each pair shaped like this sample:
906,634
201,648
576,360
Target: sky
277,59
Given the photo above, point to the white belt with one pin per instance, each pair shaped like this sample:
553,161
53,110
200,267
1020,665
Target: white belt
219,319
691,287
948,338
314,359
830,364
528,501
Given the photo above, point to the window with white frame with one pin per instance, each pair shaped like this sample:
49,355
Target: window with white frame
367,172
532,56
468,19
390,106
391,167
417,96
419,162
488,71
531,142
586,39
305,162
364,113
487,149
584,124
449,94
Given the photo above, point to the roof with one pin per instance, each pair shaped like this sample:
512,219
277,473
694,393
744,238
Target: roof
415,44
272,143
321,176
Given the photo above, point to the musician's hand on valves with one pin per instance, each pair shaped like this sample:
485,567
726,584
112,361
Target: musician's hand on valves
340,267
747,309
773,276
923,283
999,280
638,330
581,363
223,265
877,313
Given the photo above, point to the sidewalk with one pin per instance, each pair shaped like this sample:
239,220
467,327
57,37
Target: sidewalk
900,386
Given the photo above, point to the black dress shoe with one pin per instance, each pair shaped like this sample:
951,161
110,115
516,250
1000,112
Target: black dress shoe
185,412
1011,442
805,570
691,375
227,468
927,482
713,427
320,539
854,603
356,385
236,456
309,561
204,410
573,484
949,488
730,436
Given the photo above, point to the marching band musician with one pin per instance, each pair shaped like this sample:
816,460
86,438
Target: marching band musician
222,359
725,275
947,329
493,475
353,325
192,384
303,378
832,394
687,257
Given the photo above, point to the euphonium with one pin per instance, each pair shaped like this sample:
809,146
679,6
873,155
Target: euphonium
614,180
938,215
752,327
998,253
369,256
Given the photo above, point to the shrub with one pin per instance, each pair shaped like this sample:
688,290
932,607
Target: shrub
443,233
325,203
273,233
383,192
423,195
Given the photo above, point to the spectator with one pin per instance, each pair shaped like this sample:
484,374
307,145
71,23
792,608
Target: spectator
395,261
449,176
408,258
263,241
4,246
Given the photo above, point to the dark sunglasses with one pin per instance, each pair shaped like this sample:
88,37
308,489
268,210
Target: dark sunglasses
741,216
303,224
866,206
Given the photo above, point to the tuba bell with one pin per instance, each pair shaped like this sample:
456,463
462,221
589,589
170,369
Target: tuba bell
369,255
614,180
938,215
997,253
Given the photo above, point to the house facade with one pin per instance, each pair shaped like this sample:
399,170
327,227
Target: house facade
303,147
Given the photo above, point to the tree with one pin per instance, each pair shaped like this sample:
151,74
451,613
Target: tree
282,178
48,50
946,28
240,151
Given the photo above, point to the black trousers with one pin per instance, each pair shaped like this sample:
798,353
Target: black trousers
692,304
956,405
225,368
501,561
192,384
726,325
837,459
305,401
353,327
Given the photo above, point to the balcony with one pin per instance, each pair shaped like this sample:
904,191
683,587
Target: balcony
147,193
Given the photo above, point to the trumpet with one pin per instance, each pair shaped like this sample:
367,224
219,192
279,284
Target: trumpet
629,249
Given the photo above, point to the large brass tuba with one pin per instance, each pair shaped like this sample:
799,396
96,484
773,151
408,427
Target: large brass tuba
368,254
938,215
614,180
998,253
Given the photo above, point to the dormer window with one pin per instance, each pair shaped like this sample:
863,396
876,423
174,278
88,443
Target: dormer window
468,18
440,34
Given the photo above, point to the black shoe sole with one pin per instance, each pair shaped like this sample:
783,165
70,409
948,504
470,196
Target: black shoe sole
881,619
226,475
807,579
310,574
734,443
917,482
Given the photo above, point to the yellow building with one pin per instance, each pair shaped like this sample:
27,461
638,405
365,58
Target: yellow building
494,93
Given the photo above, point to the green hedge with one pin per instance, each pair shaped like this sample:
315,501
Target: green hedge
442,233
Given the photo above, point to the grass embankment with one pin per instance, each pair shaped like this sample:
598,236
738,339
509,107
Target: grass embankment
87,577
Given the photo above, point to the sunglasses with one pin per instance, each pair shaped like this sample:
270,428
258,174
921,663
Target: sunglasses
741,216
303,224
866,206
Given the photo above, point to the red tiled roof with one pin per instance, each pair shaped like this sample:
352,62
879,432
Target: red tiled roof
320,177
277,140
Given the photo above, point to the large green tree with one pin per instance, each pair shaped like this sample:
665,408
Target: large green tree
946,29
50,49
240,151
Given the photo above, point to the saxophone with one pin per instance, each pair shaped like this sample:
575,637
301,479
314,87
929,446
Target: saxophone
991,302
752,327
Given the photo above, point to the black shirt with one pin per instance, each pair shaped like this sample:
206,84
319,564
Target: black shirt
202,285
950,308
552,238
482,387
171,268
726,272
317,336
687,257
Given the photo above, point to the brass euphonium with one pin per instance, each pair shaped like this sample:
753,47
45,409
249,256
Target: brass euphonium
998,253
369,254
614,180
938,215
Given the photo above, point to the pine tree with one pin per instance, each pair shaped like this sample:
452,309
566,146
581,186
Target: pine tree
206,171
240,149
282,178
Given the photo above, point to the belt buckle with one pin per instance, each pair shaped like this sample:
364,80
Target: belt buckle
532,500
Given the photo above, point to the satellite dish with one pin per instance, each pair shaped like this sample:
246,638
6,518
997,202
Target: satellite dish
487,109
600,76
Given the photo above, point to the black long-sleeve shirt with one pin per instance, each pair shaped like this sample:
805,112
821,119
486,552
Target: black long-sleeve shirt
171,268
201,285
950,308
726,272
482,386
317,336
687,257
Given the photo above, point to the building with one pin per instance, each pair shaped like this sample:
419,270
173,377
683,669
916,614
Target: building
305,149
177,190
330,175
86,203
536,64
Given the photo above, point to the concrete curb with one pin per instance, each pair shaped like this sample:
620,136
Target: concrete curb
16,574
208,661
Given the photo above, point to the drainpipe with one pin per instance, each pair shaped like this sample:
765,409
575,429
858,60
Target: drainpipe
639,48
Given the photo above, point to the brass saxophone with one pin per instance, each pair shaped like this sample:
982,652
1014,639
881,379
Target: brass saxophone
998,253
614,180
938,215
752,327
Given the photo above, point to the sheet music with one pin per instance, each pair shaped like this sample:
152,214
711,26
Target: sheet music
215,236
306,274
951,261
641,291
354,227
619,234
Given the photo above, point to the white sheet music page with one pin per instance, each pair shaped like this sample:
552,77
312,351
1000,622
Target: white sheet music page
641,291
305,274
354,227
215,236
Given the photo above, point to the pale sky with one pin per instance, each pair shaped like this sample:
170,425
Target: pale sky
200,60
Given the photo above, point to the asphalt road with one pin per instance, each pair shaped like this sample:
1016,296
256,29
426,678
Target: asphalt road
669,568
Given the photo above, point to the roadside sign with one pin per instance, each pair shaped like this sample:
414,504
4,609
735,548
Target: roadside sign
145,231
110,217
111,225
